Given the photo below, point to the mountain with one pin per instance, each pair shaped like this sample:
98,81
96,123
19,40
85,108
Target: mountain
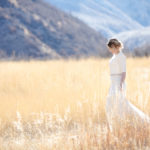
127,20
143,50
138,10
35,29
103,16
135,38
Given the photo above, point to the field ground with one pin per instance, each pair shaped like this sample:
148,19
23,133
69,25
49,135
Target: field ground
61,105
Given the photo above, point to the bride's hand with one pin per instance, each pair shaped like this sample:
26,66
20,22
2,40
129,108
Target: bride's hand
121,86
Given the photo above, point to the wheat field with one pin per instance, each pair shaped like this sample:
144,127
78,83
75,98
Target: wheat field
60,105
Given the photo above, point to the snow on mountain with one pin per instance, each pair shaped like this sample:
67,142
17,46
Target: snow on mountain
100,15
127,20
138,10
135,38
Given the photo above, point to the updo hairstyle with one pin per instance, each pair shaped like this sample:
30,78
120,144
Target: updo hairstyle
115,43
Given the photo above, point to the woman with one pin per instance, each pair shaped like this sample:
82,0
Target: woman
118,108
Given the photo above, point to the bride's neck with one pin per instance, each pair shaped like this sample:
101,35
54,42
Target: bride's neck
117,53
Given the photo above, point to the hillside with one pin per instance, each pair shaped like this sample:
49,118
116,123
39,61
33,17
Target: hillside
136,40
141,7
35,29
113,18
103,16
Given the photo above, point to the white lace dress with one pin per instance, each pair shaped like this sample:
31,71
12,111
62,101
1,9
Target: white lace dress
118,108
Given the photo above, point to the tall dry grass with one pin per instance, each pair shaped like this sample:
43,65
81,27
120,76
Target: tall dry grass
60,105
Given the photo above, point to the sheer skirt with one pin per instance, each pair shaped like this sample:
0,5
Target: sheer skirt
118,109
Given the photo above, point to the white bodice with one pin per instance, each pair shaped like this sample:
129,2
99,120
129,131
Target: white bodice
117,63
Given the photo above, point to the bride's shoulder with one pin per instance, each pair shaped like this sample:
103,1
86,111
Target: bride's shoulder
112,58
122,55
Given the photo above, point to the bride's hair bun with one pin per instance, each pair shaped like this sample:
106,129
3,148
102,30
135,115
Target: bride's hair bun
116,43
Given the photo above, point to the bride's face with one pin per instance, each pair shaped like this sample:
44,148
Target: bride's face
113,50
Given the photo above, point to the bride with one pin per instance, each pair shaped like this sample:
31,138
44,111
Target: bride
118,108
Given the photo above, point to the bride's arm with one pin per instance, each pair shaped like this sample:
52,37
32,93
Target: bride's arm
122,65
123,76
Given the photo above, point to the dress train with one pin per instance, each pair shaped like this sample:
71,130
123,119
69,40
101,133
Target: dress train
119,109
